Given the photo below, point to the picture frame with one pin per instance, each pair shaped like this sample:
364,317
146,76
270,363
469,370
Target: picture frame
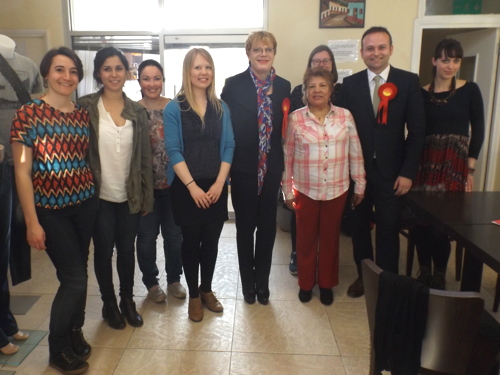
342,14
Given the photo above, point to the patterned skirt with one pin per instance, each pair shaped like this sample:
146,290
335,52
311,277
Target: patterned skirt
443,166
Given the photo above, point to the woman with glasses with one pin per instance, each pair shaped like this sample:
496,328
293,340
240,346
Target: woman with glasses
255,98
320,57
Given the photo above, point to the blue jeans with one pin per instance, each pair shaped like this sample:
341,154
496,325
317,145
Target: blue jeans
115,226
149,228
8,325
68,232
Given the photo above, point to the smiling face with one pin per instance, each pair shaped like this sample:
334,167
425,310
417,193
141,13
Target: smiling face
151,82
202,73
62,78
113,74
376,51
261,57
318,92
446,67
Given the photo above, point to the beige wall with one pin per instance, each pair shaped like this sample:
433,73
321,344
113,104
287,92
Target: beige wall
295,23
34,14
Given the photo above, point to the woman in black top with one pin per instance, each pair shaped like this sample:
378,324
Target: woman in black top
255,98
452,107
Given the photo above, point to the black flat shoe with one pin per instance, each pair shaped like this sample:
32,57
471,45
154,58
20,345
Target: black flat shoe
249,296
326,296
127,305
112,315
263,296
305,295
78,343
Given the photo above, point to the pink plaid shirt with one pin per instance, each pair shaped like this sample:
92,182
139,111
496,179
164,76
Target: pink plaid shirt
319,158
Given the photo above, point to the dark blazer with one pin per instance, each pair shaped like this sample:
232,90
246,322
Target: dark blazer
396,154
241,96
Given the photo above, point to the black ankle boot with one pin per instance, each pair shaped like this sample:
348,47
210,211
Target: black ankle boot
112,315
127,305
68,362
78,343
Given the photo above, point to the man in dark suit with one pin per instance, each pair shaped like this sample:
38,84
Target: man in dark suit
391,158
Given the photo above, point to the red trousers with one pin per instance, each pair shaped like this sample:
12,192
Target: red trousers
318,232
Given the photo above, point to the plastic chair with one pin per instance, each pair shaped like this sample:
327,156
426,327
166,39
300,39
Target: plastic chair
452,340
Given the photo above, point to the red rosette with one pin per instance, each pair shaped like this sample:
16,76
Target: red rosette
386,92
285,107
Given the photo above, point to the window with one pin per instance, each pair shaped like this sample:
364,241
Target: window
164,30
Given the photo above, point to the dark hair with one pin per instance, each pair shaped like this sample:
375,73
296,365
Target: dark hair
327,49
102,55
316,72
450,48
64,51
376,29
149,62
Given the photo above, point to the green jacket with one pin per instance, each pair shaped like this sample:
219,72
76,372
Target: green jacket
140,181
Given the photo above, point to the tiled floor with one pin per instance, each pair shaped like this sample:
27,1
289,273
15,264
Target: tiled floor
285,337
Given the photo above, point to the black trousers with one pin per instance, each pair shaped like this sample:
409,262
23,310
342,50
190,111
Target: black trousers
200,246
379,196
255,226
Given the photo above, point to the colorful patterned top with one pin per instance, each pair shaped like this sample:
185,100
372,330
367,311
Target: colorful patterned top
60,171
160,158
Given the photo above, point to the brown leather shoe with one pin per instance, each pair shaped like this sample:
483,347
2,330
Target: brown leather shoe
211,301
356,289
195,309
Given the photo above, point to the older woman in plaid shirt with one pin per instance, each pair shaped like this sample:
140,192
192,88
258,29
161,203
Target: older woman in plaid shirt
322,150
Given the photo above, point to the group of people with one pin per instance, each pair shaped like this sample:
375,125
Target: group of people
118,172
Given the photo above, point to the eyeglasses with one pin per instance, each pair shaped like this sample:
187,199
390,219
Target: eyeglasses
319,61
260,50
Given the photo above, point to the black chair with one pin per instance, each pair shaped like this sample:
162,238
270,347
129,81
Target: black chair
454,341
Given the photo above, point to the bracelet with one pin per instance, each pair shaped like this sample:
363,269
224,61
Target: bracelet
189,183
471,170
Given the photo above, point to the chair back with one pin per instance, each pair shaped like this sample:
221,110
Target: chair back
453,320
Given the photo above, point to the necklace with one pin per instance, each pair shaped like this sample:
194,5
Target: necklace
434,100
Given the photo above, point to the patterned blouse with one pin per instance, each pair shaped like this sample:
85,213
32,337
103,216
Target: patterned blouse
60,172
160,158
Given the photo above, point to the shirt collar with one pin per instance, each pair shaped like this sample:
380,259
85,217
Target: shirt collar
384,74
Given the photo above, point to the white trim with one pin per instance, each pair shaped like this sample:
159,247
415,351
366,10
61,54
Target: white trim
28,33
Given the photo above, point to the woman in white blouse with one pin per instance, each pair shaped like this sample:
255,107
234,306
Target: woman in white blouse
120,159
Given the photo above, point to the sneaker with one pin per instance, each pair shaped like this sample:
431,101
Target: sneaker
292,267
156,294
177,290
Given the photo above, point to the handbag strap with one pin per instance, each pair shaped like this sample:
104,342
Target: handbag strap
11,76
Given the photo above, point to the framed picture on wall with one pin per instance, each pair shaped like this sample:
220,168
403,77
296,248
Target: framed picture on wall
341,13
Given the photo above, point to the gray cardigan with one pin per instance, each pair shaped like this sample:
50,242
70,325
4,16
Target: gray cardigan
140,181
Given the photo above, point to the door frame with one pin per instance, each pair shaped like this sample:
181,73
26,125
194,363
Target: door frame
492,115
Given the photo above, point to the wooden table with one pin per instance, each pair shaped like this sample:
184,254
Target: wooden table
466,217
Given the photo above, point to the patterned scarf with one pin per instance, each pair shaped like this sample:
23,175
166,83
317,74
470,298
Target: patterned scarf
265,122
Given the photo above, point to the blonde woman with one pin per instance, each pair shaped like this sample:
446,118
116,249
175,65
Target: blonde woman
199,141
